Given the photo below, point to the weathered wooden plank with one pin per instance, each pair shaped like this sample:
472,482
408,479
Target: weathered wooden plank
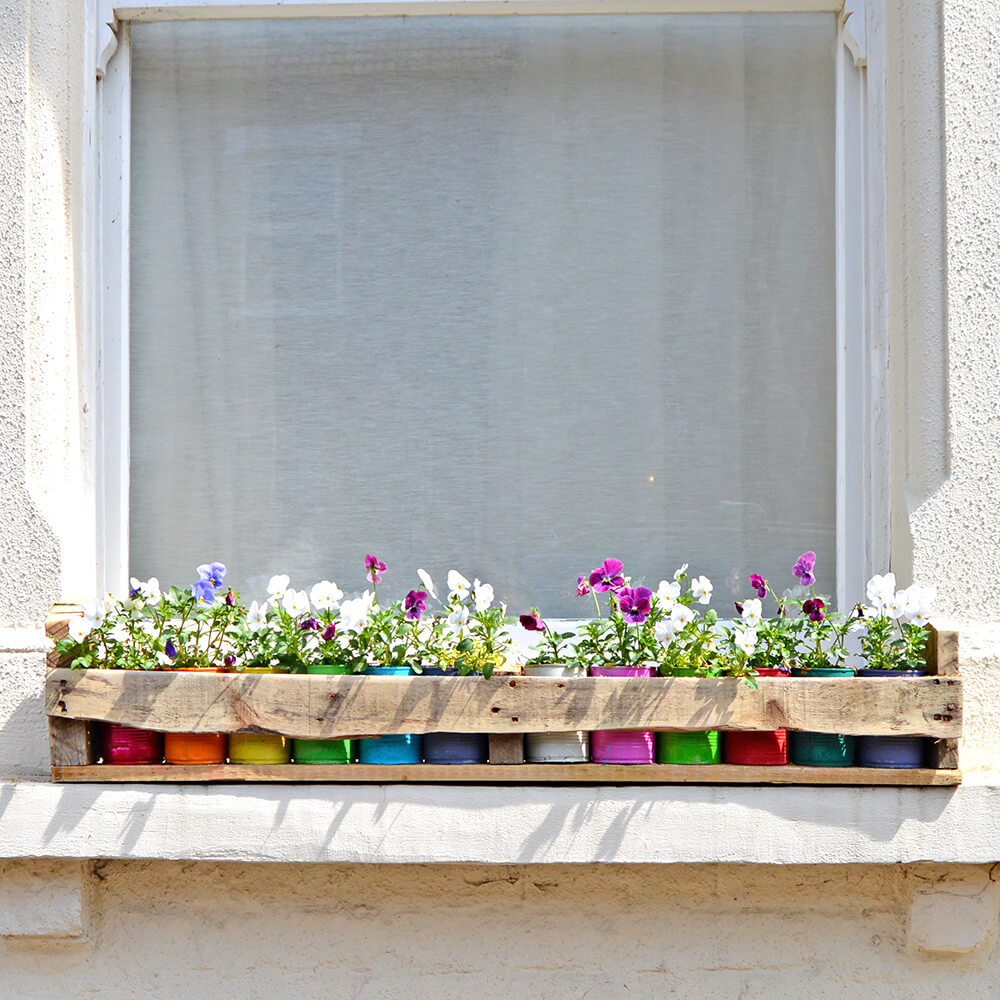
506,748
324,706
942,660
56,627
649,774
72,742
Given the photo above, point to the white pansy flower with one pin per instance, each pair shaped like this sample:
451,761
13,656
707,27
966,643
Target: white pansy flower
257,616
751,612
97,610
678,573
80,628
701,588
120,633
458,586
919,601
151,591
881,591
354,613
276,587
483,595
458,620
295,602
425,579
681,616
667,594
664,631
326,594
745,639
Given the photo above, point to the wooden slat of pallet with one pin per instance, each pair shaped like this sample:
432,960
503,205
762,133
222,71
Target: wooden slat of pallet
727,774
506,748
942,660
326,707
71,741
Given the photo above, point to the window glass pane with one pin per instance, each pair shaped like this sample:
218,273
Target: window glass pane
509,294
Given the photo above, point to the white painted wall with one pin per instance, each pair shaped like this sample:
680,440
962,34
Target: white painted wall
171,929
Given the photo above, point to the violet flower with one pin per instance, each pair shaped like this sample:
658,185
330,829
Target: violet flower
814,609
608,576
634,603
203,592
329,632
170,649
230,598
804,567
415,604
310,625
533,622
582,586
374,567
213,573
759,584
229,660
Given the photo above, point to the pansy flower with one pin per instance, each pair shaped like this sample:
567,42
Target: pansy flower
374,568
607,576
759,584
803,568
635,603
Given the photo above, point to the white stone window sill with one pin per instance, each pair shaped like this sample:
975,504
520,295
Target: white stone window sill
407,824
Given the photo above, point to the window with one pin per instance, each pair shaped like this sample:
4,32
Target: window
506,293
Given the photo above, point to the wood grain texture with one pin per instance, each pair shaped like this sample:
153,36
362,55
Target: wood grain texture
506,748
57,627
326,707
617,774
72,742
942,660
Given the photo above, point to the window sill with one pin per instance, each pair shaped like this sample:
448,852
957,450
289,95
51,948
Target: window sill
417,824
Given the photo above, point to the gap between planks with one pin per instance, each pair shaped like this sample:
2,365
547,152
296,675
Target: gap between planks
550,774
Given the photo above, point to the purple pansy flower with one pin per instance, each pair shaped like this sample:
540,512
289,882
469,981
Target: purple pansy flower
310,625
203,592
374,568
229,660
533,622
739,607
634,603
759,584
582,586
213,573
170,649
230,598
804,567
608,576
329,632
814,609
415,604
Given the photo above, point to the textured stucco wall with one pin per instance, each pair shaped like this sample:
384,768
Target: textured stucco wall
174,929
167,930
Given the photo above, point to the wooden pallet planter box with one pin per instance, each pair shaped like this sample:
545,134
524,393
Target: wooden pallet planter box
320,706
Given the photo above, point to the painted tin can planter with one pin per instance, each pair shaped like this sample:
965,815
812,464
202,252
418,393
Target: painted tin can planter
699,747
195,748
899,752
822,749
454,748
324,751
556,748
764,748
259,748
128,745
396,748
621,746
704,747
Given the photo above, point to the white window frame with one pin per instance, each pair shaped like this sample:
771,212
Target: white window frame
862,427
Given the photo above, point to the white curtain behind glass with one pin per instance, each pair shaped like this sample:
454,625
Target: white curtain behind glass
506,294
